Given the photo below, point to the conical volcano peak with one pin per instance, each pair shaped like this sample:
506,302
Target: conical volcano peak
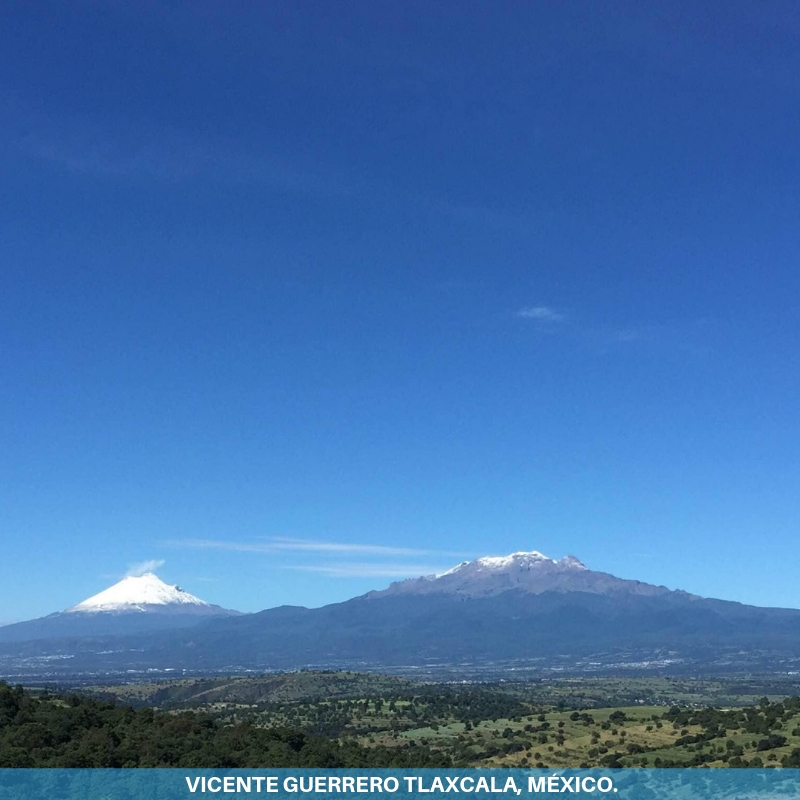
137,593
136,604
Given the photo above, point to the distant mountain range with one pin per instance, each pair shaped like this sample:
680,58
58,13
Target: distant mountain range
520,610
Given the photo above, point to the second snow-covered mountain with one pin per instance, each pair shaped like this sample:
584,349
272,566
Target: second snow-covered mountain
529,572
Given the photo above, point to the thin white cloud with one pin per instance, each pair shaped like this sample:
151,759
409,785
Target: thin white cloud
140,567
115,149
368,570
93,146
625,335
696,336
541,314
285,544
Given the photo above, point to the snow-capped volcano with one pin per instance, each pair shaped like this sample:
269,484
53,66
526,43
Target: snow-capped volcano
140,604
527,571
138,593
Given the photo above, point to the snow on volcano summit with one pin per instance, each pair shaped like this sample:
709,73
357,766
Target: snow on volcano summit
526,571
521,560
140,593
525,559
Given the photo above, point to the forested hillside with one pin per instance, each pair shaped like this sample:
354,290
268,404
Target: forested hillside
228,724
74,731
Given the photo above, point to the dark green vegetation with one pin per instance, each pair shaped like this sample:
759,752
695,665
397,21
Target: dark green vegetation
75,731
352,719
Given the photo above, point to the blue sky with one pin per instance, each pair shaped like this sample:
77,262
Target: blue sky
298,299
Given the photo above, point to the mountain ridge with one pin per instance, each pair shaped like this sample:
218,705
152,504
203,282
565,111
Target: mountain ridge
529,571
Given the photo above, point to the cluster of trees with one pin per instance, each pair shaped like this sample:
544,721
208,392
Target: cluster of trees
400,710
765,719
74,731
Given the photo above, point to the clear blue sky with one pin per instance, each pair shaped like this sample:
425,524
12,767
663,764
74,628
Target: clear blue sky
302,297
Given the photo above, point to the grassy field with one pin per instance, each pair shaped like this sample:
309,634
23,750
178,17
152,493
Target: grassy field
565,723
645,736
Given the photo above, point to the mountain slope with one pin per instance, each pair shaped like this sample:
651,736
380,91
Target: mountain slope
409,629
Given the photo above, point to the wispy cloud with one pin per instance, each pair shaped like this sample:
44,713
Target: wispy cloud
285,544
695,336
625,335
117,150
366,570
541,314
681,336
140,567
111,149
